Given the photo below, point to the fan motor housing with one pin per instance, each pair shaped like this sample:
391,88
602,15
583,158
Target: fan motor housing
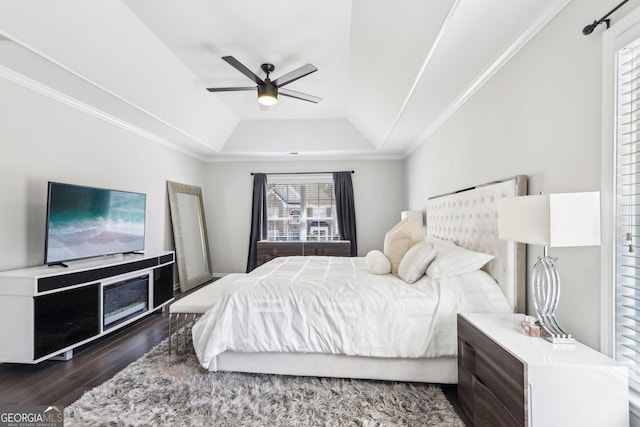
267,93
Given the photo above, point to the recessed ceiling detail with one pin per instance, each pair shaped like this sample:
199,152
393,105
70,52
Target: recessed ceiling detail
389,73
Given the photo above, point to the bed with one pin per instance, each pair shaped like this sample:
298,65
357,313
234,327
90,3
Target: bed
468,218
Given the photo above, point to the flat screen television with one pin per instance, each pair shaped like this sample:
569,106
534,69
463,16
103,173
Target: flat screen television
84,222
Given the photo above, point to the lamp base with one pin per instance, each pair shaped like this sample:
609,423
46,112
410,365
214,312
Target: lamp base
546,293
555,337
557,340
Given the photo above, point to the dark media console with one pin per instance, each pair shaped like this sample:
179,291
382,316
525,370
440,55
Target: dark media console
47,311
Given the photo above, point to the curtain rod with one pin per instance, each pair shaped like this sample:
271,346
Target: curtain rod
589,28
299,173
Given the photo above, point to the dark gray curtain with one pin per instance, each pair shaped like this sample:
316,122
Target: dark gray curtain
343,189
258,218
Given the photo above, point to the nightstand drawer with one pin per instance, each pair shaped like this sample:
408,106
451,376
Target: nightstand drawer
481,360
467,356
478,341
466,368
496,370
488,410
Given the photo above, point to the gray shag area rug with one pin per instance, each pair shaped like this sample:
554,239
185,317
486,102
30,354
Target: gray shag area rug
162,390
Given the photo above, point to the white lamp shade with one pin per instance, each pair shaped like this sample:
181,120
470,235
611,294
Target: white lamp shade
413,216
552,220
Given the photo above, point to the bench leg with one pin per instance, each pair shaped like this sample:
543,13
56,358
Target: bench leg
171,316
188,320
184,338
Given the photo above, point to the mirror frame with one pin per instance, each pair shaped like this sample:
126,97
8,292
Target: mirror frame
186,283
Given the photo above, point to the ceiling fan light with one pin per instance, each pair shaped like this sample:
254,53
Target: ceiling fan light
268,94
267,100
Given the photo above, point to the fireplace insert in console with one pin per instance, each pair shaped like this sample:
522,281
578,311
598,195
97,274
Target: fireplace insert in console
124,300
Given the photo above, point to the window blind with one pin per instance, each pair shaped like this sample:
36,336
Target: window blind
301,208
627,200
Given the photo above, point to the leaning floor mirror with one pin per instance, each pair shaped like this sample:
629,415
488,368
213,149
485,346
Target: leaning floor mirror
190,235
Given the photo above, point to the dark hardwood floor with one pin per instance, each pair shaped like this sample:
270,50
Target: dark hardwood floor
451,393
62,383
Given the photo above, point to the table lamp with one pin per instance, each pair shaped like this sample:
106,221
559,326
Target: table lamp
550,220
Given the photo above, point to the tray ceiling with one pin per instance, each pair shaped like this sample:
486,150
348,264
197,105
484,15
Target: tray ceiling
389,73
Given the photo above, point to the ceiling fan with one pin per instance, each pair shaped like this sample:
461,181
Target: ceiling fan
268,90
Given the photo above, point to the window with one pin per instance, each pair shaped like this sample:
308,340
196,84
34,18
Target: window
627,218
301,207
620,250
627,205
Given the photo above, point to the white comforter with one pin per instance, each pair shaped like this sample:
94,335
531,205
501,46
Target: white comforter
334,305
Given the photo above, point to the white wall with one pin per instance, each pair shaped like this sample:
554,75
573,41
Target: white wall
540,115
43,140
379,195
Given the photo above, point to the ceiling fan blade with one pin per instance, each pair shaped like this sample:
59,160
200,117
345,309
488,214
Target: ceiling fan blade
244,70
299,95
229,89
294,75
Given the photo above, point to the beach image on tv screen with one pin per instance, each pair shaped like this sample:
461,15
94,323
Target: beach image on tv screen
86,222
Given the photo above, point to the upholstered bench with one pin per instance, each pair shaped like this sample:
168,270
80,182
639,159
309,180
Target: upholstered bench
188,309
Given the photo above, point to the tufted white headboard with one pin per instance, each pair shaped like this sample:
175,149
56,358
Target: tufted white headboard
470,219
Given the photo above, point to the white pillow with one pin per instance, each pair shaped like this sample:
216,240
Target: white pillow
441,245
377,263
415,261
399,239
452,261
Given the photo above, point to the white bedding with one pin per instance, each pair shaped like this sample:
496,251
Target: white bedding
334,305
